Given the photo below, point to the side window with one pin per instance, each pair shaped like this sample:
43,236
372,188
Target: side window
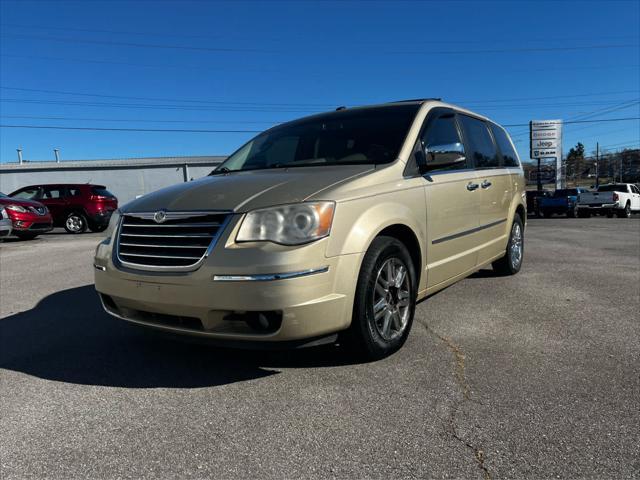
443,131
74,192
52,193
28,194
634,189
509,156
483,150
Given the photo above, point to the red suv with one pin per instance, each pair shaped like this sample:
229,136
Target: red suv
75,207
28,218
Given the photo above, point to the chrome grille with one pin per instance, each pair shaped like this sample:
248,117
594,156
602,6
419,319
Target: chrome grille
169,241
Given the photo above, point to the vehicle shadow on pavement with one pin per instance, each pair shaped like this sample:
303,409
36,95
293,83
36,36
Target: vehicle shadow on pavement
67,337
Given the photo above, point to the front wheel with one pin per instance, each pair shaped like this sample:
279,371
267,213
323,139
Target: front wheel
511,263
385,299
75,223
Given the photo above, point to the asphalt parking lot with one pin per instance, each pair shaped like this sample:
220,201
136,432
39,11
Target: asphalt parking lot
532,376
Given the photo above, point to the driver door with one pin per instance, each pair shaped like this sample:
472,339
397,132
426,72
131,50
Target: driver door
452,198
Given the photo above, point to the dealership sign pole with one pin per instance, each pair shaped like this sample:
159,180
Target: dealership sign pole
546,144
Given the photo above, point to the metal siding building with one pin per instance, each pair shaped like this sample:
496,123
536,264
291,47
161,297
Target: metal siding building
125,178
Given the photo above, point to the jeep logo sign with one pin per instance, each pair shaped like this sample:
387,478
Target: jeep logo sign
537,144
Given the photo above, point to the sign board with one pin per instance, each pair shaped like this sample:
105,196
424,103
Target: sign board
546,143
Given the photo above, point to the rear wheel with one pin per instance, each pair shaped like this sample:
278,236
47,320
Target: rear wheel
75,223
572,212
511,263
583,214
385,299
626,213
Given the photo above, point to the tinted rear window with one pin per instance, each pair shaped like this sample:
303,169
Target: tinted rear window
103,192
509,156
483,150
565,193
613,188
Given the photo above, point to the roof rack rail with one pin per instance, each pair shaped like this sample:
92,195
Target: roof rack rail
418,100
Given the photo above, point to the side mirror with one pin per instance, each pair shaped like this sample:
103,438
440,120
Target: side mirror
440,156
445,155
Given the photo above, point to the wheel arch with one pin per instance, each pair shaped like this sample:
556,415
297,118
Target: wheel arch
357,225
408,238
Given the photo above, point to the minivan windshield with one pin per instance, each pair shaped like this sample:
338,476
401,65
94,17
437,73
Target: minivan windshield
368,136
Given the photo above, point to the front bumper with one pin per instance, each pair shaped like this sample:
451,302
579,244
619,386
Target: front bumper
307,294
34,227
5,228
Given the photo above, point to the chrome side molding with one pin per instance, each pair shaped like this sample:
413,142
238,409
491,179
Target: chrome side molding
269,276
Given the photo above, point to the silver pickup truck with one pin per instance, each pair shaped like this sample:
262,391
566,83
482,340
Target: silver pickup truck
620,199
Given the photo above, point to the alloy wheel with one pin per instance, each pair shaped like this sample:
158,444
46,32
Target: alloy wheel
516,246
391,299
74,223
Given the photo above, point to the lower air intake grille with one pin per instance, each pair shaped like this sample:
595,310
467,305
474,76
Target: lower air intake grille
168,240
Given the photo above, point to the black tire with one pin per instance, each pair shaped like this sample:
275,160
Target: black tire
545,213
97,228
366,334
609,214
510,264
75,223
583,214
25,235
626,213
572,212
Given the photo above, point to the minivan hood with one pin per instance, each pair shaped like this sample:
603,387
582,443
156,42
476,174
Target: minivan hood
244,191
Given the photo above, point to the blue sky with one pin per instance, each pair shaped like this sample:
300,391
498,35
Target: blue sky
246,65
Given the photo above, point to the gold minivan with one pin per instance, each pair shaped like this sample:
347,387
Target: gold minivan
333,224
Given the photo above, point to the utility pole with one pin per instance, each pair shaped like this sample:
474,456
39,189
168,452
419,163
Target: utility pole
539,177
597,164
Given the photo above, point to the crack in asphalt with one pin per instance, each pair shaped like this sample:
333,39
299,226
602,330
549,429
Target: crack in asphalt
461,380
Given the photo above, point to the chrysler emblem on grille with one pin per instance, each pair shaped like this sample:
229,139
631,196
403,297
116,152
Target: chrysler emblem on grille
160,216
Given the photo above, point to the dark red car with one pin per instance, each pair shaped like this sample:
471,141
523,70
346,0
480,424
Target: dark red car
28,218
75,207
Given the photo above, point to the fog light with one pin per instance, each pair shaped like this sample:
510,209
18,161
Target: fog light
261,322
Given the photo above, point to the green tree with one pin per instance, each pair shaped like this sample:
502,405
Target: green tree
575,164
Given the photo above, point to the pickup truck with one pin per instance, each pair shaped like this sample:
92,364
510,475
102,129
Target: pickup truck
620,199
562,201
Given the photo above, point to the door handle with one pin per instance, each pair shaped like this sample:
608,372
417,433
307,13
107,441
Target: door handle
486,184
472,186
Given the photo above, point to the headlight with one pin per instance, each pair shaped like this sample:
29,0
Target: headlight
113,223
288,224
17,208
